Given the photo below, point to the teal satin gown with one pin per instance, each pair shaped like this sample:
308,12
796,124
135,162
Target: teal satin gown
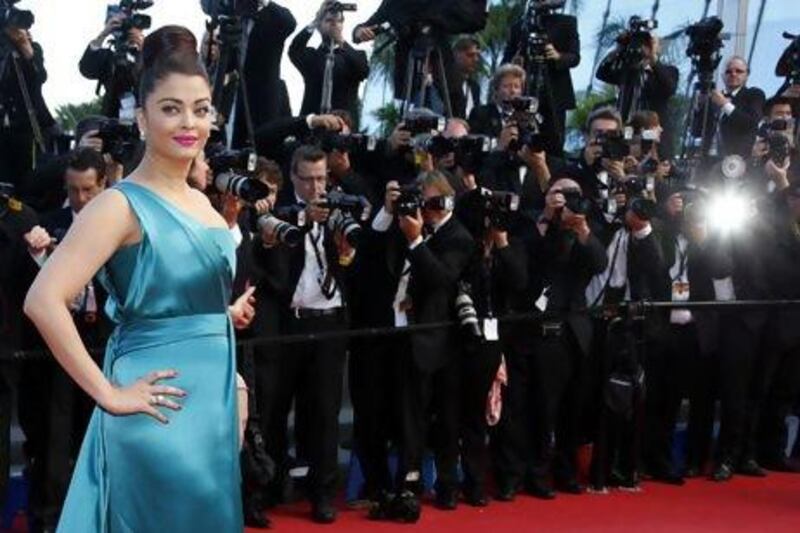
169,296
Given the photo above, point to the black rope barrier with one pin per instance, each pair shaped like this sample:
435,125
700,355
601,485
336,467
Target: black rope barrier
638,308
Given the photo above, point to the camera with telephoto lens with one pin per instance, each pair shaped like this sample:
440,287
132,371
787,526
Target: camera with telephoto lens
11,17
777,135
284,224
468,151
498,207
705,50
120,139
423,123
346,212
615,146
466,312
523,112
576,202
231,168
125,54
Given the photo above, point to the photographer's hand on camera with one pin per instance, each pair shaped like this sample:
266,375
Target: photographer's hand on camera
508,134
411,227
400,138
719,99
674,206
551,54
615,169
317,213
554,203
391,196
575,223
778,174
498,237
111,26
328,122
91,140
364,33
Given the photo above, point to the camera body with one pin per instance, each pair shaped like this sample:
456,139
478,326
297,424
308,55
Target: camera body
523,112
778,140
120,139
705,45
498,207
468,151
126,55
411,199
576,202
635,189
634,40
231,170
11,17
424,124
615,145
330,141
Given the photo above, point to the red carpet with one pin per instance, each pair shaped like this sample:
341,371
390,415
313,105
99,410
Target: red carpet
745,504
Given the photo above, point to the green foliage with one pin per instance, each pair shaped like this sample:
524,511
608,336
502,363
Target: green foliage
68,115
388,116
502,15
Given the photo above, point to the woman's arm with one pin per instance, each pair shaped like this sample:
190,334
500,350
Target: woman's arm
102,227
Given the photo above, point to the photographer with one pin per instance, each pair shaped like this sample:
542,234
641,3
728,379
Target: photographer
491,282
22,75
508,83
115,68
313,296
563,256
53,413
636,62
561,54
423,26
465,89
271,136
774,152
424,272
349,66
739,109
602,157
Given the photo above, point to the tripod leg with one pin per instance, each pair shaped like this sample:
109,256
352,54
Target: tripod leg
445,88
409,86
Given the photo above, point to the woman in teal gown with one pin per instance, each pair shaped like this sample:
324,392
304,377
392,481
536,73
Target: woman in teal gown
161,452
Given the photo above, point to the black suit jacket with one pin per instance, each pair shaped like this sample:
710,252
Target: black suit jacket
12,105
659,86
99,65
486,120
738,130
565,265
350,68
262,67
458,99
562,32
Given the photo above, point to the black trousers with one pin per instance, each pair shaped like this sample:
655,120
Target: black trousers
667,372
311,374
8,380
374,367
775,390
16,157
703,393
739,346
512,438
479,364
430,412
558,385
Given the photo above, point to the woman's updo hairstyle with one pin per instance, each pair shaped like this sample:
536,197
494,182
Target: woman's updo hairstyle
168,50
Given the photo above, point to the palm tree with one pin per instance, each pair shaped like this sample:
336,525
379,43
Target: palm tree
68,115
494,36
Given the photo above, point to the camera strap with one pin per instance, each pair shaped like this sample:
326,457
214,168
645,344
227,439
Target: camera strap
26,98
611,267
327,283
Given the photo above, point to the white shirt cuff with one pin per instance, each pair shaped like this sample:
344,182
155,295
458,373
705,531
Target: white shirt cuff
309,118
643,233
382,221
419,240
39,258
728,108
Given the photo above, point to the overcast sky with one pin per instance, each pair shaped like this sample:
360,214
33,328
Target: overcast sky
64,27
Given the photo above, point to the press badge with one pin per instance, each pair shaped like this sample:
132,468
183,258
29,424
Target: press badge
490,329
127,108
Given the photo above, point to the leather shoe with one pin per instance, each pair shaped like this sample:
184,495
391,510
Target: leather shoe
323,512
381,508
569,486
539,489
476,498
256,518
405,507
670,478
506,492
722,472
751,468
446,499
